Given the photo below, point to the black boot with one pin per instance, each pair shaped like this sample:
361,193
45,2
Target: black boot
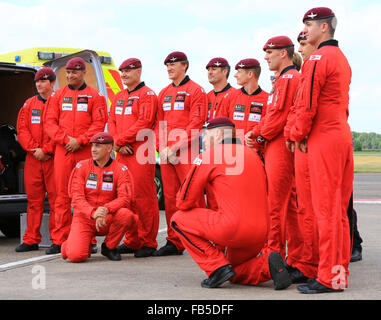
144,252
218,277
356,255
54,249
168,250
278,271
112,254
122,249
27,247
313,287
297,276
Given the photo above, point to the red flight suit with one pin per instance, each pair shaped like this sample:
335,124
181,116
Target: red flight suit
214,100
245,110
132,115
278,160
306,257
181,108
38,175
239,224
90,187
323,119
80,114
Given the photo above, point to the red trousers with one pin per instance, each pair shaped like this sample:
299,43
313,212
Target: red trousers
330,163
279,170
144,203
63,165
38,180
77,247
197,227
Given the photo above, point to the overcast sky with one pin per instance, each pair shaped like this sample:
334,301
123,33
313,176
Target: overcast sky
203,29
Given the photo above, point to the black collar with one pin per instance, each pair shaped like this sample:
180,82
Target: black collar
287,69
40,98
185,80
258,91
231,141
82,87
139,86
228,86
331,42
106,165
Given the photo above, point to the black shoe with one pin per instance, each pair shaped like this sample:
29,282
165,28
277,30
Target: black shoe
168,250
289,268
314,286
297,276
27,247
356,255
54,249
112,254
144,252
278,271
94,248
122,249
218,277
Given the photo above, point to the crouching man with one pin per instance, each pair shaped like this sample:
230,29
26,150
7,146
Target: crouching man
235,174
100,190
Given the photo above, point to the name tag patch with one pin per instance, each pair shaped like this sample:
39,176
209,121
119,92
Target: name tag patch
238,116
254,117
128,110
178,106
90,184
36,119
82,107
118,110
67,107
107,186
167,106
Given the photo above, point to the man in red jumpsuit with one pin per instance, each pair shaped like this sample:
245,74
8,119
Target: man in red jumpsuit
321,129
303,267
130,122
38,169
278,160
246,106
75,113
218,74
101,191
181,113
237,225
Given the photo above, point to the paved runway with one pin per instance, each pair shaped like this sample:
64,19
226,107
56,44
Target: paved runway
177,277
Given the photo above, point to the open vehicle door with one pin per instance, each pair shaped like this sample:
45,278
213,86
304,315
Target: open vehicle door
94,73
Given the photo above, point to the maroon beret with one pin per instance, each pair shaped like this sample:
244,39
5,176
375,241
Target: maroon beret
279,42
175,57
102,138
45,73
131,63
247,64
302,36
318,14
217,62
76,63
218,122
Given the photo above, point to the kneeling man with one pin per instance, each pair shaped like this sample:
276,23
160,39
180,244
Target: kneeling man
100,190
235,174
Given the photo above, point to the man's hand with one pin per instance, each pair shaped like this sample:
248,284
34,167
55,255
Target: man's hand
72,145
249,139
302,145
100,215
290,145
116,148
126,150
40,155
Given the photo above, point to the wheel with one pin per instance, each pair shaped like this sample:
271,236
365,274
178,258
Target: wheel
10,227
159,188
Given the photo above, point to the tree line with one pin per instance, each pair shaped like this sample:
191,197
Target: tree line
366,141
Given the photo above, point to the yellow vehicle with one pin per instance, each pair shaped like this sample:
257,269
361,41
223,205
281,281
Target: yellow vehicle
39,56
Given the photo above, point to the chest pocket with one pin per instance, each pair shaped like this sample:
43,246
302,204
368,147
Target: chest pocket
92,182
36,116
107,181
179,103
82,103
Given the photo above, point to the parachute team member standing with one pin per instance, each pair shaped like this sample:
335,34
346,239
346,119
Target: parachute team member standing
39,171
131,119
218,74
321,128
237,225
278,160
101,190
182,107
74,114
246,106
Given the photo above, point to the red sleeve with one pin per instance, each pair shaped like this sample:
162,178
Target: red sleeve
147,111
52,128
24,136
111,123
158,118
198,106
98,117
77,183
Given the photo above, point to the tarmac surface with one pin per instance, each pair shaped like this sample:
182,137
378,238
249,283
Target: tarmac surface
34,275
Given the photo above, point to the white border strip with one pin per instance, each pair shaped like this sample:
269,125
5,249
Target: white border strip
26,262
367,201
